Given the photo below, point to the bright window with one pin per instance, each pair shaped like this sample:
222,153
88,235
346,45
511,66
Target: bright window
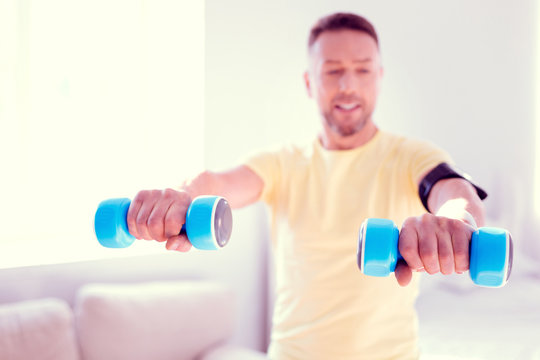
98,99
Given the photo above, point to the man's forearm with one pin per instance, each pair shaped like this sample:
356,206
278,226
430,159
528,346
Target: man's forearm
240,185
202,184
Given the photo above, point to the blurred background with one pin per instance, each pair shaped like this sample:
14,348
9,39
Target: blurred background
101,99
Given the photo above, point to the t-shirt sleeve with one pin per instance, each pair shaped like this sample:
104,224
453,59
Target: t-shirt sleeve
425,157
267,165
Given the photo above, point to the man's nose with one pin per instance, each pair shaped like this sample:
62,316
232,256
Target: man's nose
347,82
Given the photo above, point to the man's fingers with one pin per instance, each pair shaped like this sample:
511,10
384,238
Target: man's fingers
403,273
435,244
156,223
408,247
142,220
157,214
178,243
461,241
428,249
446,252
174,219
131,219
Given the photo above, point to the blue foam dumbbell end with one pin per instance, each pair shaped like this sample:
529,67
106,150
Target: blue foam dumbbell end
208,223
110,223
491,257
378,258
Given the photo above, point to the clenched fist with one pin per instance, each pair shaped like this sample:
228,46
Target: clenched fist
159,215
433,244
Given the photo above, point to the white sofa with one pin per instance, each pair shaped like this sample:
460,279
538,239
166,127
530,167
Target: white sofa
163,320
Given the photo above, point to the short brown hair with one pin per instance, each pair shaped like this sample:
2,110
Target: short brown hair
342,21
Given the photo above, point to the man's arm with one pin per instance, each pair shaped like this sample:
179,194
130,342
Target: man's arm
160,214
240,186
439,241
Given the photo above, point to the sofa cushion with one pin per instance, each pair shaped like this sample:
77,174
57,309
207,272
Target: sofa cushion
164,320
38,329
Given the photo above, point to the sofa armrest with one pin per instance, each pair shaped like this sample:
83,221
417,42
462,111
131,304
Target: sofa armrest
37,329
232,352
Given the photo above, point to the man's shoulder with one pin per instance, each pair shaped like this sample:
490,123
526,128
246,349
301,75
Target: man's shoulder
293,150
287,154
405,142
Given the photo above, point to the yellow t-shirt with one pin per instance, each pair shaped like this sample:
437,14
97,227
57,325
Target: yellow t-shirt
325,308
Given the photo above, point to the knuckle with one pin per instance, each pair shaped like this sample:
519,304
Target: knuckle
445,257
143,194
169,193
137,201
407,249
172,227
141,222
425,223
409,223
170,222
142,197
461,253
154,223
426,218
444,223
454,224
184,197
429,256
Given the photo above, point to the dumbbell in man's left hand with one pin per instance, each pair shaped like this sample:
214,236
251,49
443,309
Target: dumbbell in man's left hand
440,242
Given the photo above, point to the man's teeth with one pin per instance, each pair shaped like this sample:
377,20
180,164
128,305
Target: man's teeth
347,106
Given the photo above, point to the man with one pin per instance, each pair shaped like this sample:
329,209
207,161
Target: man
319,195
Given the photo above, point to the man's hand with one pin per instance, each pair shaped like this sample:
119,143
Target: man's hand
159,215
433,244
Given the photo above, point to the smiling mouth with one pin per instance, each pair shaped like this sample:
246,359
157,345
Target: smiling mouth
350,107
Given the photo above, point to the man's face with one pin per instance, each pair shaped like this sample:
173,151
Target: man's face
343,77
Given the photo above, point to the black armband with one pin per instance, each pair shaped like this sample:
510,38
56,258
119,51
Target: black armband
441,172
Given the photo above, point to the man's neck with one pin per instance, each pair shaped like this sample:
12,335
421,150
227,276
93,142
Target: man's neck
333,141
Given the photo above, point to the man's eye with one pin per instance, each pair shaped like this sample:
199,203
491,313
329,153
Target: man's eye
333,72
363,71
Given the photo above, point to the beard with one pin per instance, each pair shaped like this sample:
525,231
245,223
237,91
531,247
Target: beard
347,128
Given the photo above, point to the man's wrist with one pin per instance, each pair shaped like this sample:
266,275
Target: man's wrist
468,218
455,209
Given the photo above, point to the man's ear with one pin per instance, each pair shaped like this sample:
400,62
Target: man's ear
308,83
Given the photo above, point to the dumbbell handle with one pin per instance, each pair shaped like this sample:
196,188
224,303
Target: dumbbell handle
490,252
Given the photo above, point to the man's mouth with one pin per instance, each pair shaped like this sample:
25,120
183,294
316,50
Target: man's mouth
347,107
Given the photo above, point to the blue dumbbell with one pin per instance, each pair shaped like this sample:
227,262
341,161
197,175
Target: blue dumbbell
490,252
208,223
